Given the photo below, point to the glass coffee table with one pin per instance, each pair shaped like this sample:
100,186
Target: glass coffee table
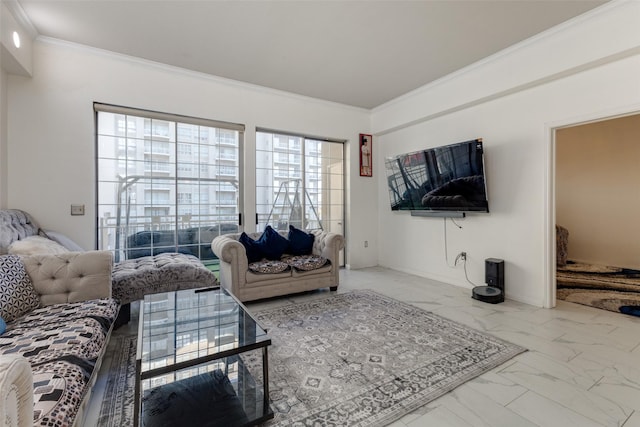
188,365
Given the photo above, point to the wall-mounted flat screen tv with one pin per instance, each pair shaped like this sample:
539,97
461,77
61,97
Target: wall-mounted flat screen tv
446,178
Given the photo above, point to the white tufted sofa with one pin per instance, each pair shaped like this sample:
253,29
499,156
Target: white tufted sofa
131,279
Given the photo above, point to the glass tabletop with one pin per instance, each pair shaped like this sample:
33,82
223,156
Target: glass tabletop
184,328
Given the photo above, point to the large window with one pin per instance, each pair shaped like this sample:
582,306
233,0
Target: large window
165,183
299,182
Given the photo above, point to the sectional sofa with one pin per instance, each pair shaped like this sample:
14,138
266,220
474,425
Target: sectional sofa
59,316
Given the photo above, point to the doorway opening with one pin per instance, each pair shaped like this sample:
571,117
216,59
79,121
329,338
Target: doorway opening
593,198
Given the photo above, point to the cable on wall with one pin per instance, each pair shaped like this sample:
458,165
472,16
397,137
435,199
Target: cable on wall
446,248
446,252
465,273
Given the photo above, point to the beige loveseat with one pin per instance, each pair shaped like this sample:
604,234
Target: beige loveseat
50,353
247,285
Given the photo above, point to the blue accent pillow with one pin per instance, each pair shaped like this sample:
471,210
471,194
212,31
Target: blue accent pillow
272,244
300,242
633,310
252,247
3,326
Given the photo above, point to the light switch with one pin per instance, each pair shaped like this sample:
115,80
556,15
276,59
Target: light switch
77,209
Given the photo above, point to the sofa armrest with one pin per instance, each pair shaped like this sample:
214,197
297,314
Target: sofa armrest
233,261
16,391
229,249
70,277
328,245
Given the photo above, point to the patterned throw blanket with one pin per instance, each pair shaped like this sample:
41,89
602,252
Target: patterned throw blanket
62,343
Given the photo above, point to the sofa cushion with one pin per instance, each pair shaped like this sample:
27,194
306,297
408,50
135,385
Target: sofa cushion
252,248
62,344
71,276
17,295
132,279
324,270
36,245
259,279
306,262
272,244
268,267
300,242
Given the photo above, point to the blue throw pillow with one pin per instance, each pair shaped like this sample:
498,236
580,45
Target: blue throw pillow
253,248
300,242
633,310
3,326
272,244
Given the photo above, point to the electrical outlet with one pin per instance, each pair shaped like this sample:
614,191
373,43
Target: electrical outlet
463,256
366,243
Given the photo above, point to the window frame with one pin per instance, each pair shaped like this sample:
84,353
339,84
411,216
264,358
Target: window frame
176,120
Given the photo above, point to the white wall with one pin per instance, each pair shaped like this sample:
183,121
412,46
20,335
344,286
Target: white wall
51,133
587,67
13,60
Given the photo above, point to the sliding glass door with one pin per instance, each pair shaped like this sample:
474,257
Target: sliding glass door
165,183
299,182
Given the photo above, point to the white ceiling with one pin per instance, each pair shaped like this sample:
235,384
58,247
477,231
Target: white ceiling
361,53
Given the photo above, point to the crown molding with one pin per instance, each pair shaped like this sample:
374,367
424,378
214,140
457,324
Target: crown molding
193,74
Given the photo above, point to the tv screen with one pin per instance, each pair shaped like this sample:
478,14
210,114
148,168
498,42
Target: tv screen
447,178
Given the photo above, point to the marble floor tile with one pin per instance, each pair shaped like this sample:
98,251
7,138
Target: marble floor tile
621,385
568,372
479,410
508,323
546,412
441,417
526,339
610,340
497,387
603,410
633,420
563,325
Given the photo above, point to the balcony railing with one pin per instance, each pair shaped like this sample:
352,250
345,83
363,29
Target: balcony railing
137,236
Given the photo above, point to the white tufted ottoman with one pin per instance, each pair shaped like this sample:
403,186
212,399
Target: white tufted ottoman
132,279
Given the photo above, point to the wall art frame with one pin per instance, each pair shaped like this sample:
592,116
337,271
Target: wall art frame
365,148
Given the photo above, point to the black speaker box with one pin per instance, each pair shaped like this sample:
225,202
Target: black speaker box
494,277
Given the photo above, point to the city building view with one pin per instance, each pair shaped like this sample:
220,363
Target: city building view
299,182
165,186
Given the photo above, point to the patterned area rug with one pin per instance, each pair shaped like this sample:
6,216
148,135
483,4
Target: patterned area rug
358,359
609,288
118,402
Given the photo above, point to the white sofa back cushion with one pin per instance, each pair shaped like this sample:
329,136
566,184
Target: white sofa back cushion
70,276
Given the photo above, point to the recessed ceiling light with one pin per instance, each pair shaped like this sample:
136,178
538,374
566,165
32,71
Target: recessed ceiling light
16,39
